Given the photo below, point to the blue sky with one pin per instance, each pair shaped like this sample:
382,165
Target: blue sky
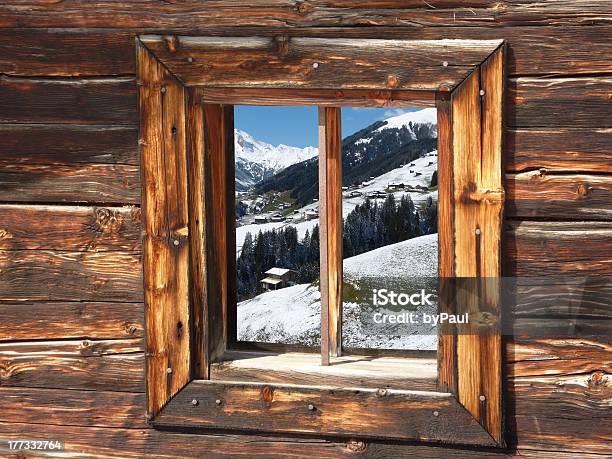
297,126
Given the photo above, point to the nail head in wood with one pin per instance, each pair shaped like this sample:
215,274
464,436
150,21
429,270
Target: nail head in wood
445,64
169,370
311,407
194,402
482,398
163,89
477,231
436,413
381,392
482,92
218,402
190,59
315,65
176,242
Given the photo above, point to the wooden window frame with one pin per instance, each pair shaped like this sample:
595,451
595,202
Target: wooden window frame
187,86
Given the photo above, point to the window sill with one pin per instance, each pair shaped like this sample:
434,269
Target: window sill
347,371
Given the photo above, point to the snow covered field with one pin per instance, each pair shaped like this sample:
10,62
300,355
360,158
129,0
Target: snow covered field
292,315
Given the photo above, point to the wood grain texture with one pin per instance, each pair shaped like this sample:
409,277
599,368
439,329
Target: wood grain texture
49,275
61,320
71,101
73,407
114,365
317,63
558,248
98,442
219,204
197,234
106,183
49,144
66,53
165,220
552,196
319,97
559,150
532,50
347,371
447,341
553,102
549,411
531,357
264,407
478,208
72,228
330,202
294,13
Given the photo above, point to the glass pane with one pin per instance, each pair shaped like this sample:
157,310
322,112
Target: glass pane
390,244
277,225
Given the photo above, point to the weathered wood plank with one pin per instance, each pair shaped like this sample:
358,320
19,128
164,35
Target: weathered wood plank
68,144
84,101
105,183
98,442
318,63
151,14
115,365
531,51
319,97
559,412
530,357
557,248
447,340
297,409
559,102
558,150
197,234
478,202
61,320
85,408
570,197
306,369
330,198
220,220
165,220
38,275
66,53
71,228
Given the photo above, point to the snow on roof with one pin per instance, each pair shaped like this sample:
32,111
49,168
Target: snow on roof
277,271
271,280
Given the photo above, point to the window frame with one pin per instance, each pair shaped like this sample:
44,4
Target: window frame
187,86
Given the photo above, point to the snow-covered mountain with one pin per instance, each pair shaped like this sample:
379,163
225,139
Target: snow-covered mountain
257,160
370,152
411,120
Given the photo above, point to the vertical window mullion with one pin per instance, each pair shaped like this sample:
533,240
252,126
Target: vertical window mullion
330,200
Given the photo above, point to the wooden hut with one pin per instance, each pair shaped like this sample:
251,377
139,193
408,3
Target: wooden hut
115,300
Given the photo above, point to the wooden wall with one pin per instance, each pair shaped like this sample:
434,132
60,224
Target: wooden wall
71,301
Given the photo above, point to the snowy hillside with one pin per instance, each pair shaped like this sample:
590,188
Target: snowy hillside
425,116
292,314
256,160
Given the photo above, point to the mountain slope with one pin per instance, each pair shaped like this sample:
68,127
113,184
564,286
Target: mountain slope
372,151
257,160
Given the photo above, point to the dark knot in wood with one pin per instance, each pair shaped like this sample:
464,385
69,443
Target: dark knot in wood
356,446
582,190
392,81
267,394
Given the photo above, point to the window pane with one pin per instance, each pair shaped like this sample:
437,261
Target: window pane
277,225
390,244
